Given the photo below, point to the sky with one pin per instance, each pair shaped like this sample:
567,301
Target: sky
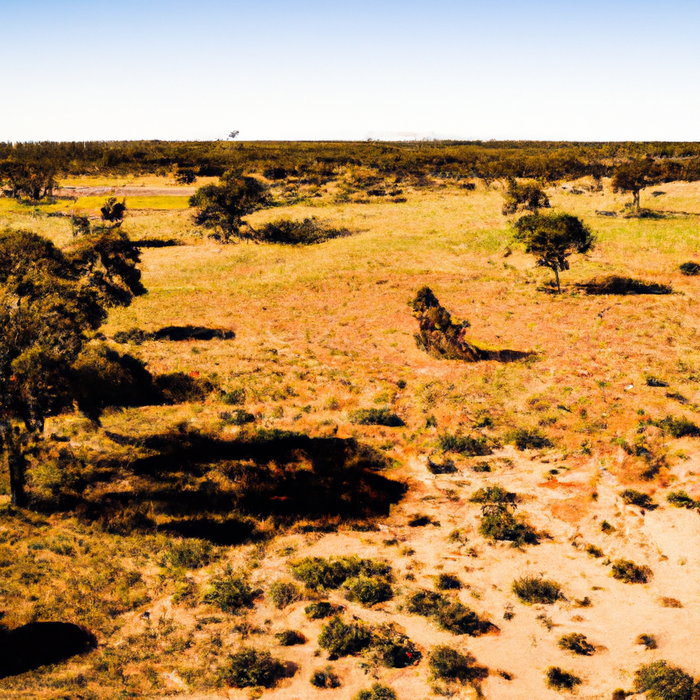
75,70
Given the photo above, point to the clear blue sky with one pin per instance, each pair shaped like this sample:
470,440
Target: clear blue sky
285,69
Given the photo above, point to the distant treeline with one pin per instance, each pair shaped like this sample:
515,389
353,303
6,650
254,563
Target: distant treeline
545,160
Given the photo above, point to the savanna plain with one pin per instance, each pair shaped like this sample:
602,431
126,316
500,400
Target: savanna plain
333,512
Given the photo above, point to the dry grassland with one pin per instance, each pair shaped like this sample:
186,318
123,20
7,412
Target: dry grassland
324,330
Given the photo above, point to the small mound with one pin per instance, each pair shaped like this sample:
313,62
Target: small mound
305,232
617,284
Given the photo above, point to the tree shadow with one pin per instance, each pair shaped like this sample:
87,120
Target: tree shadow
41,643
199,485
174,333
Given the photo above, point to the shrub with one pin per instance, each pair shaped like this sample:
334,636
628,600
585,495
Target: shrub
606,527
617,284
447,582
447,664
235,397
230,592
594,551
452,616
690,269
680,499
661,681
368,590
178,387
339,639
283,593
466,445
317,572
678,427
648,640
502,525
425,603
189,554
376,416
290,638
394,649
631,497
319,611
376,692
325,678
251,668
533,589
445,467
628,572
237,417
577,643
305,232
493,494
670,602
558,679
651,380
527,439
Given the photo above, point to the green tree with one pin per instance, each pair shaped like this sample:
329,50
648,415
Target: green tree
524,195
553,238
50,301
113,211
185,176
222,207
34,180
635,176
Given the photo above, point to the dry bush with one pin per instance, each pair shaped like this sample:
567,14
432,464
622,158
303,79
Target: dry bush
558,679
628,572
577,643
533,589
289,638
283,593
306,232
250,668
340,639
325,678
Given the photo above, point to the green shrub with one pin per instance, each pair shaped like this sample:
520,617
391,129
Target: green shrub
447,664
648,640
680,499
376,692
325,678
493,494
628,572
368,590
447,582
533,589
466,445
306,232
339,639
188,554
283,593
452,616
319,611
290,638
316,572
376,416
577,643
235,397
502,525
237,417
606,527
661,681
527,439
558,679
481,467
690,269
251,668
631,497
393,648
425,603
678,427
230,592
594,551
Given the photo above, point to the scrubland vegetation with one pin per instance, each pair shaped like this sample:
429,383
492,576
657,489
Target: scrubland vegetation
337,426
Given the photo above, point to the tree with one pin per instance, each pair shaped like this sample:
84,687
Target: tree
222,207
552,238
50,300
34,180
526,195
185,176
113,211
635,176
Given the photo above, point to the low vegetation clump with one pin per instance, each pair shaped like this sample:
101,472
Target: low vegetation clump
690,269
231,592
558,679
466,445
290,638
527,439
283,593
498,521
376,692
662,681
332,573
321,610
392,648
678,427
340,639
450,615
594,551
651,380
448,664
250,668
305,232
376,416
628,572
325,678
648,641
631,497
577,643
188,554
368,590
494,495
619,285
680,499
533,589
445,467
667,602
447,582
